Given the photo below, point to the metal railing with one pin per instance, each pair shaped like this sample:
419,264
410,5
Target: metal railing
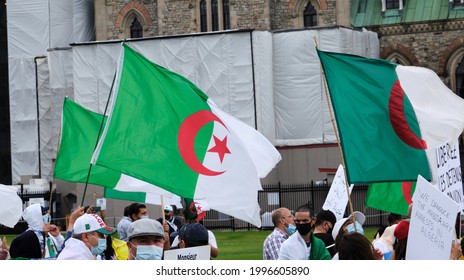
292,196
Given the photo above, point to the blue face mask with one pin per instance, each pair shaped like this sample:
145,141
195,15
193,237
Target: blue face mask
149,252
144,217
46,218
100,247
290,229
359,228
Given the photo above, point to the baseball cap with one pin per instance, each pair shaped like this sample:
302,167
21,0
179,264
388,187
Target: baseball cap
358,216
90,223
168,208
194,234
145,227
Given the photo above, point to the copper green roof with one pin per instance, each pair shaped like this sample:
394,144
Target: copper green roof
369,12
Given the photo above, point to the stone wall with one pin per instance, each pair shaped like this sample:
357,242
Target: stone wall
427,45
172,17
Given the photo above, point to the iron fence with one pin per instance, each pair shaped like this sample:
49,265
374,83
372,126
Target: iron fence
292,196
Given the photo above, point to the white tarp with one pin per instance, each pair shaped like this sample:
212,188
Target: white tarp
219,64
301,111
34,28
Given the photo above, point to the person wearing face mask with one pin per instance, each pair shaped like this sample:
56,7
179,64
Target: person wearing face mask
352,224
303,245
138,211
284,226
172,221
325,221
41,239
145,240
88,239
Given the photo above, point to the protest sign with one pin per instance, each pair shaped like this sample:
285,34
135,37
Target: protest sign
101,202
432,223
191,253
449,177
337,198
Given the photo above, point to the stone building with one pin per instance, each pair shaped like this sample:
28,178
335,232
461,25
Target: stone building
130,19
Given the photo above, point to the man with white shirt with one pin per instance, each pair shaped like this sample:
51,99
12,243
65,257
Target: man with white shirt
303,245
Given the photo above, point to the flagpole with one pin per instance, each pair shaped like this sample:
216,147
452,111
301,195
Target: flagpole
98,138
338,142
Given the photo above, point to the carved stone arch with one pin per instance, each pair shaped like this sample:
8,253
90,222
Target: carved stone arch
296,7
401,52
452,49
452,64
128,12
129,18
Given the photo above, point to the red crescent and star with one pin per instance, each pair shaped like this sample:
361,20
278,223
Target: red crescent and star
186,138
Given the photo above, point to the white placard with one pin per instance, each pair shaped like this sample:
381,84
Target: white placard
432,223
191,253
449,177
101,202
337,198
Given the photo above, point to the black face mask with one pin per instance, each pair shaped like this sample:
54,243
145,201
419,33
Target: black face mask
303,229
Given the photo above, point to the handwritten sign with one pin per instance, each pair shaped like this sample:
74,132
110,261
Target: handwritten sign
337,198
449,177
101,202
189,254
432,223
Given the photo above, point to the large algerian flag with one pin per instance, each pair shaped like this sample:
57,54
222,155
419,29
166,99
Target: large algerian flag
79,134
164,130
393,197
390,117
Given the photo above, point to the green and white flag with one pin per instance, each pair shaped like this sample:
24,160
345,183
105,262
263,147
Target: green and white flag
390,117
164,130
79,132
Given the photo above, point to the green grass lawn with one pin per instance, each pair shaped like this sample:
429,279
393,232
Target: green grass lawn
241,245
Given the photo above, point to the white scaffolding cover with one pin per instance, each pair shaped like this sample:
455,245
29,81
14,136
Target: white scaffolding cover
34,28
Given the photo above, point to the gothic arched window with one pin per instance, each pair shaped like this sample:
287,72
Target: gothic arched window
310,16
136,30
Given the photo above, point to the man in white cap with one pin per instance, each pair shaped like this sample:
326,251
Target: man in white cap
88,239
346,226
173,222
146,240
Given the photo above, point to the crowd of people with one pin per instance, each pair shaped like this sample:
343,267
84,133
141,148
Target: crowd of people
88,237
296,236
305,236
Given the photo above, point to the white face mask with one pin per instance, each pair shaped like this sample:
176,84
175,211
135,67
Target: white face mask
148,252
144,217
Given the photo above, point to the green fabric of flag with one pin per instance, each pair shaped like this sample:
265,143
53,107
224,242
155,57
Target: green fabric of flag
79,132
79,135
361,96
159,128
393,197
131,196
